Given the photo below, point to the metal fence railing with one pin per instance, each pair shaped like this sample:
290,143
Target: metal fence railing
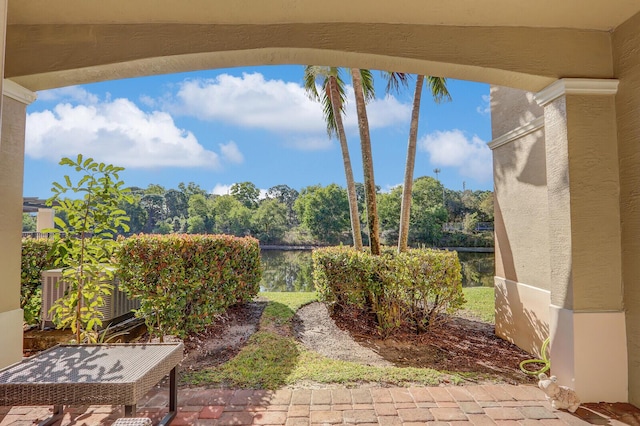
37,235
459,226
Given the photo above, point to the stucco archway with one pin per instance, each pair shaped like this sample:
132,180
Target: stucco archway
526,45
516,44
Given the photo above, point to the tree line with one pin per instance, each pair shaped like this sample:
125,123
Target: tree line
315,215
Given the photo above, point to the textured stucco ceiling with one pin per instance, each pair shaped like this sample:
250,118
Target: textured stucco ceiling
583,14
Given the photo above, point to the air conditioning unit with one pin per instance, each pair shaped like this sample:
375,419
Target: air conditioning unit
116,305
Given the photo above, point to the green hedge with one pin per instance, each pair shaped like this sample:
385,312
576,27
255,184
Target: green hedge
183,281
410,289
35,259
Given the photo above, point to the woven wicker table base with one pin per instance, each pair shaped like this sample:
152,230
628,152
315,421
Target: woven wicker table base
133,421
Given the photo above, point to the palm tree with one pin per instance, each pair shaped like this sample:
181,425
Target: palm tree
439,92
332,97
363,88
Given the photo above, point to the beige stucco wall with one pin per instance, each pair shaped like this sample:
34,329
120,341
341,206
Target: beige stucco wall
11,169
595,214
511,108
522,314
584,247
11,172
626,48
583,191
521,229
557,212
521,219
45,219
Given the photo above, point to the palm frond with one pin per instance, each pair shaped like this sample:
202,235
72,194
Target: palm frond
341,86
327,110
318,82
367,85
438,88
395,80
311,75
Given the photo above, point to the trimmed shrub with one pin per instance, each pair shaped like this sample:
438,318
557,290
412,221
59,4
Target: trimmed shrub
426,282
184,281
35,259
344,276
410,289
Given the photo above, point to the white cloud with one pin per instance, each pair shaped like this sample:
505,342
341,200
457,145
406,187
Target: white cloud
390,187
148,101
117,132
381,113
68,94
250,101
485,107
231,153
312,143
221,189
452,148
275,105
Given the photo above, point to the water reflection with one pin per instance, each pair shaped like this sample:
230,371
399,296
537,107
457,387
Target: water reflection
291,270
286,270
477,269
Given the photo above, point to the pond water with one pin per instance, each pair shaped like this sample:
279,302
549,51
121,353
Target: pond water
291,270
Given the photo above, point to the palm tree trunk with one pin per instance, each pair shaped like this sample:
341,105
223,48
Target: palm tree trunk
348,171
405,209
367,164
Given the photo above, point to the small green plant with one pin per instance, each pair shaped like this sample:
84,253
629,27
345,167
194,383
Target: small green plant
35,259
84,242
31,309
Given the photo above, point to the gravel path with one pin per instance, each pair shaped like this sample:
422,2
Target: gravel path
315,328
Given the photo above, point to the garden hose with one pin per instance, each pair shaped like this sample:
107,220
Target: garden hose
545,361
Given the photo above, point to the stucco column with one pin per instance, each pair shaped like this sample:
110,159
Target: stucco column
14,105
587,322
3,39
45,219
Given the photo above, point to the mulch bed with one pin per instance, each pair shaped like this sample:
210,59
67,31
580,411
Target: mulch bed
456,344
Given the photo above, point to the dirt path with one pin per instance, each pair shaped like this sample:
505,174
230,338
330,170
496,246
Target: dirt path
224,340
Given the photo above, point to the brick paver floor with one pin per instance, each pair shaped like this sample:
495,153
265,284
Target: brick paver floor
447,406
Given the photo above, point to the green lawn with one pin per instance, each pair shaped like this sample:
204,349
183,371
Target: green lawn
284,305
480,302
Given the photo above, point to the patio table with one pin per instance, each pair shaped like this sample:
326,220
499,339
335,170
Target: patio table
110,374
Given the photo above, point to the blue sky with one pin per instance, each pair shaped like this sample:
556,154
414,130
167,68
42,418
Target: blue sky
219,127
